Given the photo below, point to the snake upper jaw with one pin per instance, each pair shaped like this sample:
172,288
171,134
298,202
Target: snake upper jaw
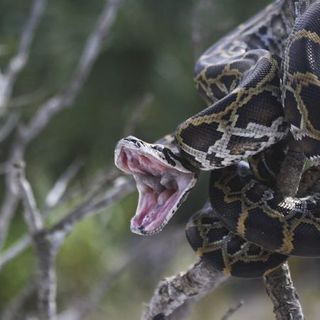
162,182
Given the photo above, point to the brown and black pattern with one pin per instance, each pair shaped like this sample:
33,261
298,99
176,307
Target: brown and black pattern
225,250
301,82
240,79
260,215
250,228
259,81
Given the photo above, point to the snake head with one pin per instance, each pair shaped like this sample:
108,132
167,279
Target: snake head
162,180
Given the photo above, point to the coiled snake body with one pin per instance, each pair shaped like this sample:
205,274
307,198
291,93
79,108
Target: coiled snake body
262,84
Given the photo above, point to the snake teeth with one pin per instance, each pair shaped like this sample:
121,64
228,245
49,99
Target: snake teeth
162,182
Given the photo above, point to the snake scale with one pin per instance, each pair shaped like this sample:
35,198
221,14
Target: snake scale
261,83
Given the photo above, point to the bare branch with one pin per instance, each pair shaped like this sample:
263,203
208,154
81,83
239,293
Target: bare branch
31,213
47,243
102,180
278,283
280,289
18,62
46,249
61,185
13,251
174,292
90,303
122,187
88,57
51,107
11,197
155,257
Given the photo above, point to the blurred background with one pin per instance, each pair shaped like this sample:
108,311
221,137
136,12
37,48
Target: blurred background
146,63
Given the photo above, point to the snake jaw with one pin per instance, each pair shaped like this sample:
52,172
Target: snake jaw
162,182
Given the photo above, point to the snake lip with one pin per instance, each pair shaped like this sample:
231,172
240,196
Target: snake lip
163,183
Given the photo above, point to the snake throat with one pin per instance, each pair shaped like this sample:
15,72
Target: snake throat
162,183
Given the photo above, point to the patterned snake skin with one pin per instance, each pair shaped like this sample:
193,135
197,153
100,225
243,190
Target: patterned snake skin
261,83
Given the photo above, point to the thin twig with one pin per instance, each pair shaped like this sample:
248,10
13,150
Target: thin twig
18,62
59,188
122,187
91,302
152,251
51,107
7,81
89,55
32,215
15,250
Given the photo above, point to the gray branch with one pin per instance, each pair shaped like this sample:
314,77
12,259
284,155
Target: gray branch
32,215
51,107
175,292
88,57
278,283
7,81
46,243
14,251
280,288
58,190
18,62
45,249
122,187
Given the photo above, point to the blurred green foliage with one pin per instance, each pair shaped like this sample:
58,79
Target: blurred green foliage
149,50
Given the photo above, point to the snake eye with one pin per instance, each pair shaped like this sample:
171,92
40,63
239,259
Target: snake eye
243,169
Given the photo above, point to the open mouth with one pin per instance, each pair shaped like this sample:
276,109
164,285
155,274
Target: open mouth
162,186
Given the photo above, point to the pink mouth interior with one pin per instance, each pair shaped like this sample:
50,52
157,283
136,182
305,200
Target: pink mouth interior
161,189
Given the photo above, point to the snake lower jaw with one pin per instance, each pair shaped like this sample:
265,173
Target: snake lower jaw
156,208
162,182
